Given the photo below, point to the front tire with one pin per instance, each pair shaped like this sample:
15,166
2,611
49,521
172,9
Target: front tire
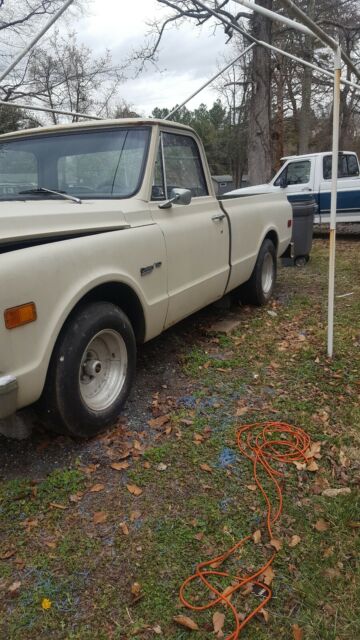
91,371
259,288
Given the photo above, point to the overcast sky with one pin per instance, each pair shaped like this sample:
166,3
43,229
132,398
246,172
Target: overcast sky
188,56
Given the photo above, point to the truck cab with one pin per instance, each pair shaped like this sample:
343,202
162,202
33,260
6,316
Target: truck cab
310,175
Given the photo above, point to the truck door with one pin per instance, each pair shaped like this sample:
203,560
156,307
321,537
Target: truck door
348,195
297,178
196,235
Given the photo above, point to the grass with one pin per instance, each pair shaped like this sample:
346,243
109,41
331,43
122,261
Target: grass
274,367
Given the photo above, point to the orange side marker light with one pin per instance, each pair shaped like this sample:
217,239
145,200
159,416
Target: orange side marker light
18,316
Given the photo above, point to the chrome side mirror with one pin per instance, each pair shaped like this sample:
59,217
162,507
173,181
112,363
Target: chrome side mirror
177,196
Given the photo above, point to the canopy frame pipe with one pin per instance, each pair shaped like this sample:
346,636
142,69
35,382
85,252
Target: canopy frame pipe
36,39
48,110
338,55
219,73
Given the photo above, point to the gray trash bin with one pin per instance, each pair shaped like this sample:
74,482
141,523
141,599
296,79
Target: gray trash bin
304,210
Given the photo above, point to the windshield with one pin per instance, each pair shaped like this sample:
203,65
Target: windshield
88,164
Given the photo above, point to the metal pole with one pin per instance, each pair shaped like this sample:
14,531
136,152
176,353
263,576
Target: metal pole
219,73
276,16
321,34
48,110
23,53
335,155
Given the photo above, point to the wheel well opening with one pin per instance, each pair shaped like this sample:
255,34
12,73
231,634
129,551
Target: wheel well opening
272,235
124,297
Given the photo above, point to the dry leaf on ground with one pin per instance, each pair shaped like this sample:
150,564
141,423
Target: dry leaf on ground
185,621
136,589
134,489
265,615
99,517
297,632
267,576
124,528
257,536
294,541
206,467
251,487
218,623
321,525
332,493
14,588
120,466
7,554
277,544
96,488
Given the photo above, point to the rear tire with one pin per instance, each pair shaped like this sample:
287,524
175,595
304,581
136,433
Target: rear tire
259,288
91,371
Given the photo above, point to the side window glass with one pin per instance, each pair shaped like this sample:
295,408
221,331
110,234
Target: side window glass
183,166
353,165
327,165
281,177
158,188
298,172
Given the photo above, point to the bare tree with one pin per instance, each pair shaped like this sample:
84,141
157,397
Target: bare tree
65,75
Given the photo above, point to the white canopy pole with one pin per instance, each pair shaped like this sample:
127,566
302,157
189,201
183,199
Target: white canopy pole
334,176
28,107
28,47
276,16
219,73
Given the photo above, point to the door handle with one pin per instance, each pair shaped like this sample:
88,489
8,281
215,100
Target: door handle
218,217
306,189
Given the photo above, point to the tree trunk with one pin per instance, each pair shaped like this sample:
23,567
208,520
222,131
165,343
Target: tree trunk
259,144
305,111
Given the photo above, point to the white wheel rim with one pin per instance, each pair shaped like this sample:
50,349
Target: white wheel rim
103,370
267,275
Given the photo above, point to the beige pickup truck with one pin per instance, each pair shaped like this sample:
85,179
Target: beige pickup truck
110,233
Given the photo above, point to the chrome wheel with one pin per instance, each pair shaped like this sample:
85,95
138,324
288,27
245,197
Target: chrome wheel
267,274
103,370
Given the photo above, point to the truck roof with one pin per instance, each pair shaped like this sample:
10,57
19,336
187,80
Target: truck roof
312,155
91,124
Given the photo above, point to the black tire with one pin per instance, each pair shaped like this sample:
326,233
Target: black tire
255,290
96,344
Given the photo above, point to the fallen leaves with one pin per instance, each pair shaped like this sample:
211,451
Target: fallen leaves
257,536
157,423
100,517
120,466
185,621
56,505
218,623
321,525
206,467
295,540
14,588
297,632
277,544
96,488
134,489
124,528
267,576
332,493
9,553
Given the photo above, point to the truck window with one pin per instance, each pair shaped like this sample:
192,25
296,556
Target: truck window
348,166
296,173
88,164
183,166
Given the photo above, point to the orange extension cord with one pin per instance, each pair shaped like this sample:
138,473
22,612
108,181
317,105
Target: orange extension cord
264,444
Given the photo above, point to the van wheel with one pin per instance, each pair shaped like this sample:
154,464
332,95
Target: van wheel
259,288
91,371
